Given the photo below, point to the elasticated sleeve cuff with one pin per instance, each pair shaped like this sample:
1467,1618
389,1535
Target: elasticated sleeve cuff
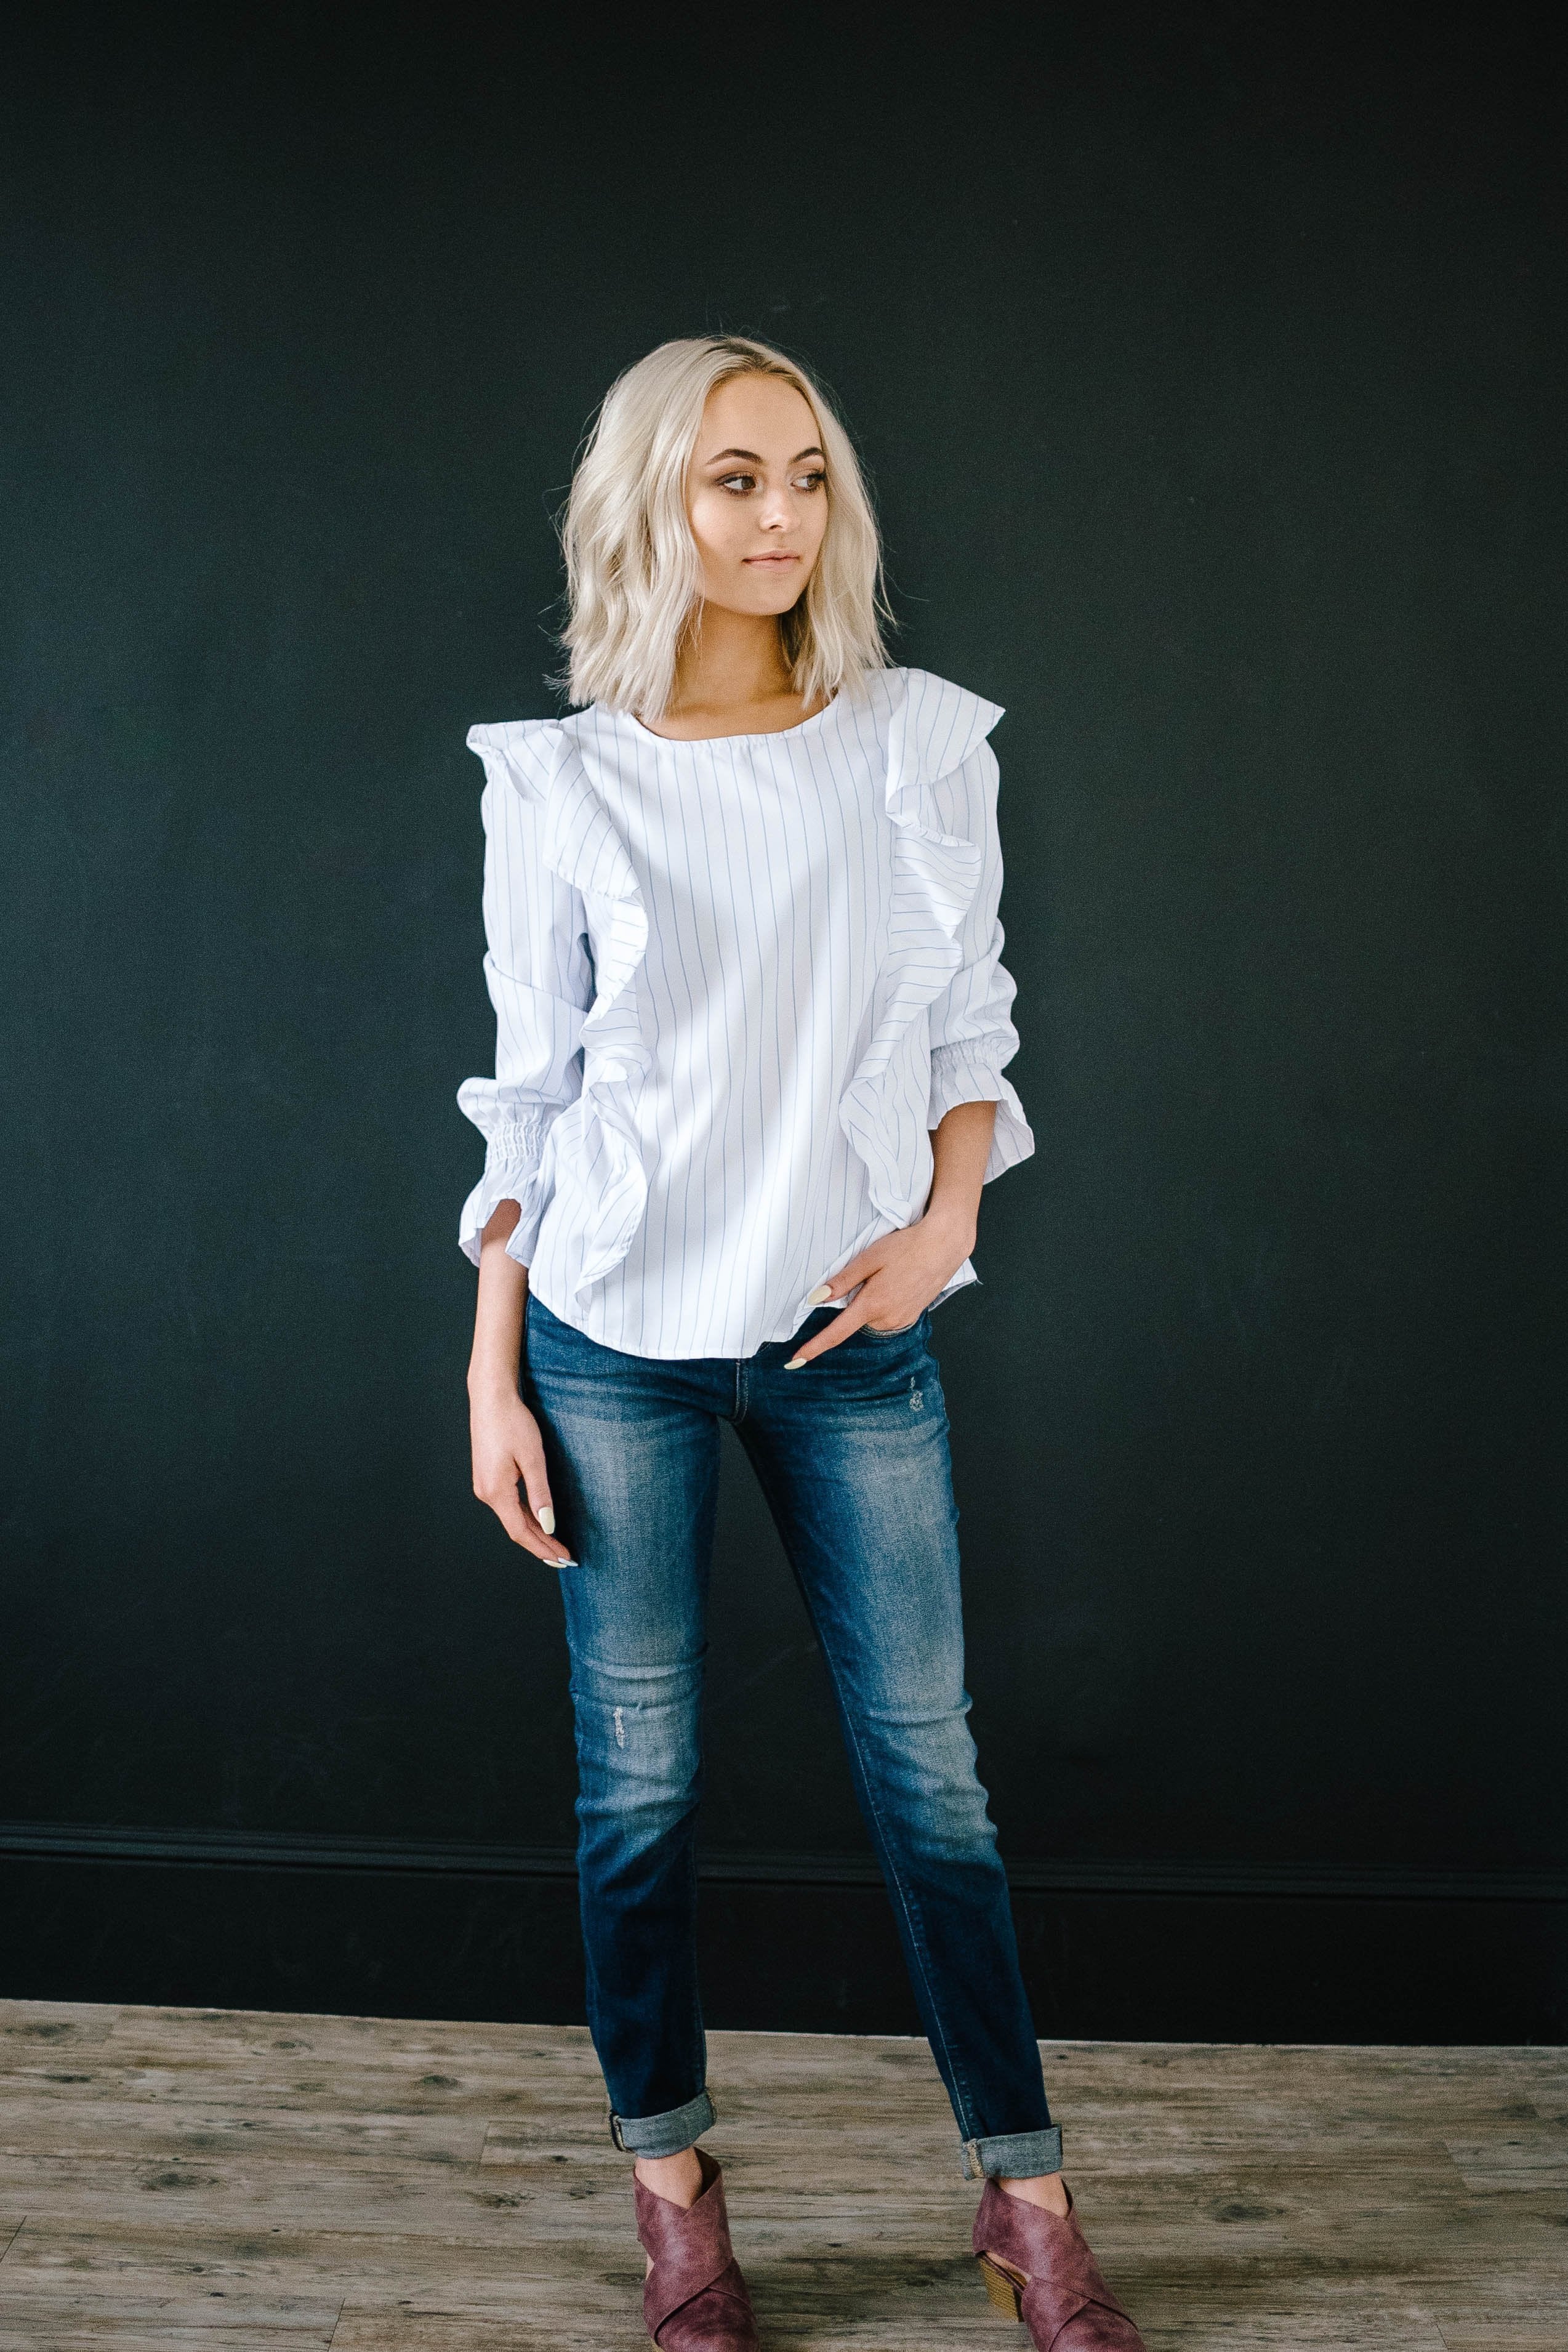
514,1169
970,1072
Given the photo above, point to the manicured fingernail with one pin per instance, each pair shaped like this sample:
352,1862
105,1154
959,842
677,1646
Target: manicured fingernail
825,1290
797,1363
547,1520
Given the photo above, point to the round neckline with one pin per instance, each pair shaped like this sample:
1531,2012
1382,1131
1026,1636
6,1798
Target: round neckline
767,735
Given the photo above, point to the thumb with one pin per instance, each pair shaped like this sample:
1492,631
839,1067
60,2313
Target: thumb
536,1485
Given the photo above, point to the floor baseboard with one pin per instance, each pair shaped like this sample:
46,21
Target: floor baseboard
153,1916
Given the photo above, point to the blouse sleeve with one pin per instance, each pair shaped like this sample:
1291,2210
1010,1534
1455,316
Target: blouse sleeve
541,980
972,1034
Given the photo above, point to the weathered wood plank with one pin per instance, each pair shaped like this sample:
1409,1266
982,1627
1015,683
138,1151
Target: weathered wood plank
155,2332
32,2126
1536,2157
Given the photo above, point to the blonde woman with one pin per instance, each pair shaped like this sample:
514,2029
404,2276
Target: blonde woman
751,1029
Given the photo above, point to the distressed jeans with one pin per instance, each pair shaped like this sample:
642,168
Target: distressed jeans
851,1454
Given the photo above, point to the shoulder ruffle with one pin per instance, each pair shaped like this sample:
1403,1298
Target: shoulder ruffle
538,760
594,1143
933,726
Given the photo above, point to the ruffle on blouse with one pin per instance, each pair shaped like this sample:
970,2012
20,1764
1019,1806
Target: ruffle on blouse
933,728
593,1147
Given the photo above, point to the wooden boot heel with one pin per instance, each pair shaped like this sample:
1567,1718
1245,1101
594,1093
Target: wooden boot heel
1004,2292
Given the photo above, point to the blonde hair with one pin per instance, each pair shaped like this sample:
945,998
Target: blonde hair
633,572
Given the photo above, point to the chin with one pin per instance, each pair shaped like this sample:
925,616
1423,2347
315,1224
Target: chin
757,604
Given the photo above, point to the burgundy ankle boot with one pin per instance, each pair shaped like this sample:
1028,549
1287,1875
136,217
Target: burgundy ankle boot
1063,2302
694,2299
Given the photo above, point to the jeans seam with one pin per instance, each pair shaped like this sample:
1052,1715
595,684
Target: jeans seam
699,2035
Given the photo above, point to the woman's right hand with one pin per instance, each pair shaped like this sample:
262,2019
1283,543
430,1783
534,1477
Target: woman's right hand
509,1451
509,1454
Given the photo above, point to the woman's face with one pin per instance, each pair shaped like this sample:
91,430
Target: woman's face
756,495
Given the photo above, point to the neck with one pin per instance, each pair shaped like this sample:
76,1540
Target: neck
728,660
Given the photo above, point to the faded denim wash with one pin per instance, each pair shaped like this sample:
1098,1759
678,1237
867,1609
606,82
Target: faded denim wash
851,1454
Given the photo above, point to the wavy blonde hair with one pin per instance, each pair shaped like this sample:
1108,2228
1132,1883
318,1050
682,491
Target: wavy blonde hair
633,571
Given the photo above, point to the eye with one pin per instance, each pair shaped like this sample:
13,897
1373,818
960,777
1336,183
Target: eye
815,480
736,485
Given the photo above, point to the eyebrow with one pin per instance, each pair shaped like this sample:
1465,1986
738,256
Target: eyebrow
752,457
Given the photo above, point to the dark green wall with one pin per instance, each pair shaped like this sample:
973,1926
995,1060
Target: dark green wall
1212,379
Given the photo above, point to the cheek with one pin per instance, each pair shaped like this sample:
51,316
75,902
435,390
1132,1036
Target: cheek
714,522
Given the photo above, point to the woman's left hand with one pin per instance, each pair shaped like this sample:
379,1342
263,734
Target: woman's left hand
895,1280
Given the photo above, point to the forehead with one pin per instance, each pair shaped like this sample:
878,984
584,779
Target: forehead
756,411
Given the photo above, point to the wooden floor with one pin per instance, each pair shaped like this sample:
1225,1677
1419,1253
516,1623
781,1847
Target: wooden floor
182,2182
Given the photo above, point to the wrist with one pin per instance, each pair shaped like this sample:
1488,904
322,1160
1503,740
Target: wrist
957,1221
492,1383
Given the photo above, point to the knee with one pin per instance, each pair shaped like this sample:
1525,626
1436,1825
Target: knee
926,1783
639,1746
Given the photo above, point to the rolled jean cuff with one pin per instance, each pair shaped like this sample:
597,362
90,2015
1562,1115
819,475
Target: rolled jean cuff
1012,2155
664,2135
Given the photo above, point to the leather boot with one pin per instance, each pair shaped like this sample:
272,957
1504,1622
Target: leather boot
694,2298
1065,2303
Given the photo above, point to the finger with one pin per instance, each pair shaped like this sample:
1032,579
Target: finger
525,1530
848,1278
536,1485
549,1548
838,1331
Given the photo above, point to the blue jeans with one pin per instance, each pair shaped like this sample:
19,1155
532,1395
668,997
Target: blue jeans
851,1454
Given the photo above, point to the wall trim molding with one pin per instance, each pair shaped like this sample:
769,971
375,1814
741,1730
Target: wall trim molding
278,1850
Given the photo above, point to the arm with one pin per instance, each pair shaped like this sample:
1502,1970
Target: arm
978,1122
539,981
972,1034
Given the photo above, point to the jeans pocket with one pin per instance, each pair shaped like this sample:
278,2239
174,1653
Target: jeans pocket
917,1329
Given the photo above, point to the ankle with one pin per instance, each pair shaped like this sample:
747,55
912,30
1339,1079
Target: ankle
677,2178
1047,2189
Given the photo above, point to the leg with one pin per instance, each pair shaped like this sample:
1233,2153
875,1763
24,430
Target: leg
634,1453
852,1454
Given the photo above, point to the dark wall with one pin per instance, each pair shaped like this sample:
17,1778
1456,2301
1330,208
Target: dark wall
1212,380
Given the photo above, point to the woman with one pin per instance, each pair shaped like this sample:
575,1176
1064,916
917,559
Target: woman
751,1024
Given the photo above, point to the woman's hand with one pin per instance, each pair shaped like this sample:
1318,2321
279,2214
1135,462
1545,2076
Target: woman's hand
508,1452
897,1277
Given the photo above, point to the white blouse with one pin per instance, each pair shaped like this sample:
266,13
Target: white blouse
736,983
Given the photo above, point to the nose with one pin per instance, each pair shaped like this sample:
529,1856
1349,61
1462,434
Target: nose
776,512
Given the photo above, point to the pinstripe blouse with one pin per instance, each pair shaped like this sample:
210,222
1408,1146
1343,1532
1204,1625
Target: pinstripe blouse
736,984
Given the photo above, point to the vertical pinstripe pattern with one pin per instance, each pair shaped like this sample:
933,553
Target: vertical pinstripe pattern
735,982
